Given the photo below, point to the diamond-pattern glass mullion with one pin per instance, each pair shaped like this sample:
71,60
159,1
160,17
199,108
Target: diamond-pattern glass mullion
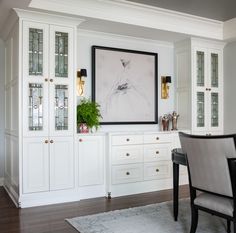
61,54
35,52
200,109
200,69
61,107
214,70
214,109
35,107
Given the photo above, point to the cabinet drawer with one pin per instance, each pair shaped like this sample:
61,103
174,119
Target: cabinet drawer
159,170
157,138
156,152
127,139
127,173
127,154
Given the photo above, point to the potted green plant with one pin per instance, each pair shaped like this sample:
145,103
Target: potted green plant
88,114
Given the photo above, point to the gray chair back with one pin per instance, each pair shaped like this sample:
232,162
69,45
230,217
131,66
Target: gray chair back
207,161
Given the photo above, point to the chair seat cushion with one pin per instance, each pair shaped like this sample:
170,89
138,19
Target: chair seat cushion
219,204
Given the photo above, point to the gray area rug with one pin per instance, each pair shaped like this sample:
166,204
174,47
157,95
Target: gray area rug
155,218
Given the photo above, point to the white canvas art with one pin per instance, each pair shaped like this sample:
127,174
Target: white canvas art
124,84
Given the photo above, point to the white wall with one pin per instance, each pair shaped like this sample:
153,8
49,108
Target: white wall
2,110
165,51
229,88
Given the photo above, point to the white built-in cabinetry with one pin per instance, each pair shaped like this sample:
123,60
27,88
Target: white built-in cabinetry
48,109
199,96
40,109
140,162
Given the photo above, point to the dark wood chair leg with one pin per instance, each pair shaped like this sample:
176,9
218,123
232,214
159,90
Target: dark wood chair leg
194,219
228,226
176,190
234,226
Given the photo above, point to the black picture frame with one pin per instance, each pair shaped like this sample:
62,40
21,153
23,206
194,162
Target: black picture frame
102,55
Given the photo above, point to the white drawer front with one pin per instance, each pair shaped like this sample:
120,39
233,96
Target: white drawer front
159,170
127,173
127,154
157,138
156,152
127,140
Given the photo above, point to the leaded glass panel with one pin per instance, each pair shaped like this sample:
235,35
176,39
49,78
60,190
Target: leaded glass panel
35,107
35,51
61,107
61,54
200,109
200,69
214,109
214,70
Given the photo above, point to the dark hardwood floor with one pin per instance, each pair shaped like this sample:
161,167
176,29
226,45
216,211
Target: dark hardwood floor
48,219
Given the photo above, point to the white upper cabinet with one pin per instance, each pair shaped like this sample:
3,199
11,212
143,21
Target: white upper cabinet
199,74
47,80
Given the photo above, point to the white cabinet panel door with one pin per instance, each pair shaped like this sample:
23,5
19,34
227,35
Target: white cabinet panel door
91,159
35,165
61,163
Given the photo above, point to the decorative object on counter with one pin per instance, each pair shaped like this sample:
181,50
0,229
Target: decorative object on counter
124,83
164,86
88,115
174,118
81,74
165,122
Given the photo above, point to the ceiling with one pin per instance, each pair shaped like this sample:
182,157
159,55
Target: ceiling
214,9
7,5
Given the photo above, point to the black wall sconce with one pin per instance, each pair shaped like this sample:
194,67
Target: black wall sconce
81,74
165,87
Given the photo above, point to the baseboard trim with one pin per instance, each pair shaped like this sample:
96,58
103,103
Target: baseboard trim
1,181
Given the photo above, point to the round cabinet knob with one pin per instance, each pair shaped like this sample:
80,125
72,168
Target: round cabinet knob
51,80
206,89
157,138
157,170
80,140
127,173
51,141
127,139
46,79
157,152
46,141
209,89
127,154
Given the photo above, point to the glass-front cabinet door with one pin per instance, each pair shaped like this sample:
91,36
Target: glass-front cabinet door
61,81
35,79
215,91
200,83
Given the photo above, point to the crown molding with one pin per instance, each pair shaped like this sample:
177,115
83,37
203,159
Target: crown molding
46,17
136,14
93,34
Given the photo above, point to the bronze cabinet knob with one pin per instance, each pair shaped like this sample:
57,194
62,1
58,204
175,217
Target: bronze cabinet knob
51,141
46,79
157,152
157,138
127,173
127,154
80,140
51,80
157,170
46,141
127,139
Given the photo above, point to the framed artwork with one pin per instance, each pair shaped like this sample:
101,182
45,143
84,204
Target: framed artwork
124,84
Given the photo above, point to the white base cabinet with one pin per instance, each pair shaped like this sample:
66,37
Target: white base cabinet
140,162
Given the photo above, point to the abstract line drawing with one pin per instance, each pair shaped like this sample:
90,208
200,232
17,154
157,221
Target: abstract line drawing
124,84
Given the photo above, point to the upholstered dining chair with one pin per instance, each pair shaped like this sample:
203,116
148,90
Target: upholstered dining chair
212,171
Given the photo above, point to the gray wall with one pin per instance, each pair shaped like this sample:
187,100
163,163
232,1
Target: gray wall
2,109
230,88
